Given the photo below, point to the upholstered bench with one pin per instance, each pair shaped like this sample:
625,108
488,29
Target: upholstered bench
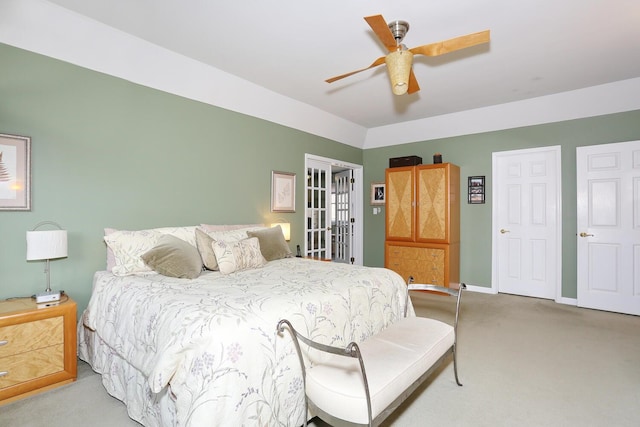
362,384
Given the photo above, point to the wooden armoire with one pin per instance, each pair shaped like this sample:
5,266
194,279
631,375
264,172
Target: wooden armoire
422,237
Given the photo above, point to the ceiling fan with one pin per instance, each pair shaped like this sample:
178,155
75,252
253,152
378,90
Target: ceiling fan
400,58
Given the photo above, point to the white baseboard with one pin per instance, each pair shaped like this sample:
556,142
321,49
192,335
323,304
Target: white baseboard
487,290
567,301
480,289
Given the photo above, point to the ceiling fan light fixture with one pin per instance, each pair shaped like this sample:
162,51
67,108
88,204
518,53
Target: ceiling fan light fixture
399,67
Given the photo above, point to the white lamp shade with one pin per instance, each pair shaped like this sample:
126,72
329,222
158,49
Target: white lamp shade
48,244
286,229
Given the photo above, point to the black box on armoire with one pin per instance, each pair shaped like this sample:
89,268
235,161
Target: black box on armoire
396,162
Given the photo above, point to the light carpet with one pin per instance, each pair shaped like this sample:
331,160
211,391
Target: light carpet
523,362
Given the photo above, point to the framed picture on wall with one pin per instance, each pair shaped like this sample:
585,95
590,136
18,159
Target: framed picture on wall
378,193
15,173
476,190
283,191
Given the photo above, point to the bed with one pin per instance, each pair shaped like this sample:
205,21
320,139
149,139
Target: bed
204,350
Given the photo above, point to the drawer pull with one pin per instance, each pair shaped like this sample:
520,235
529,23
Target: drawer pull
4,342
3,374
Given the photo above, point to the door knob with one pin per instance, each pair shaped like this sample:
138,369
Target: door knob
502,231
583,234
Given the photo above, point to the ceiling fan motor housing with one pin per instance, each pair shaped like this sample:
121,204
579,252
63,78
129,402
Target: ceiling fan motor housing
399,29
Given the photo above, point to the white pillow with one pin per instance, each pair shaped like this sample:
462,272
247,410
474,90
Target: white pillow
232,235
129,246
238,256
227,227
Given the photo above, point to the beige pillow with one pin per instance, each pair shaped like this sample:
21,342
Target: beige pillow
238,256
174,257
272,243
213,227
126,246
205,247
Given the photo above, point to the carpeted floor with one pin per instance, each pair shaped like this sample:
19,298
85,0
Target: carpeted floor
523,362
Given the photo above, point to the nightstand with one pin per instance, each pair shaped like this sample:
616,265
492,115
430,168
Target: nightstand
37,347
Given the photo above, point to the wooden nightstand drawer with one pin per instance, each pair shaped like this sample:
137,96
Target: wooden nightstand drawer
38,347
30,365
29,336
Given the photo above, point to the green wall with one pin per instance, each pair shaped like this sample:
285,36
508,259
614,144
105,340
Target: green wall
473,154
110,153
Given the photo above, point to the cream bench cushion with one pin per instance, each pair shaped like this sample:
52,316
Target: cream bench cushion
394,359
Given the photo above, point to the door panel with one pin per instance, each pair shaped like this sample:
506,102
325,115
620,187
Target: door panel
318,241
432,211
400,204
527,222
343,225
608,232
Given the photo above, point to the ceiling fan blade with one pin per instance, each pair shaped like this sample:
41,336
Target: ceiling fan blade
451,45
413,83
381,28
375,63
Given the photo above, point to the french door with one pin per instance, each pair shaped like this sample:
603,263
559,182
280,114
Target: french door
342,218
333,210
318,233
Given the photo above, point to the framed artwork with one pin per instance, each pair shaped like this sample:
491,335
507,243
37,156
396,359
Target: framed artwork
15,173
378,193
283,191
476,190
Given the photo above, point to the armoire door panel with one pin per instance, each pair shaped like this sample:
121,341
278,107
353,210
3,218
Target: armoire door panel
432,206
400,203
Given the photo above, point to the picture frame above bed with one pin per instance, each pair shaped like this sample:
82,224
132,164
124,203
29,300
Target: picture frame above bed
15,173
283,191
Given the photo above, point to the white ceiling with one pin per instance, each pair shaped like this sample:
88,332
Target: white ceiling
537,48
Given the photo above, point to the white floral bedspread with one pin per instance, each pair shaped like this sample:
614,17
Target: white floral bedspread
213,341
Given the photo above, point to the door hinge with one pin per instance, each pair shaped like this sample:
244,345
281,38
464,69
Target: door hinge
352,259
353,220
353,180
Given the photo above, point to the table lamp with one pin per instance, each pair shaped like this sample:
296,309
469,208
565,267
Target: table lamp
47,245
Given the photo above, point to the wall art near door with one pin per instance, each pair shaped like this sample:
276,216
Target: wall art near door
377,193
15,173
476,189
283,191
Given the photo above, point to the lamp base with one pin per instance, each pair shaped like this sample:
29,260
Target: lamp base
47,296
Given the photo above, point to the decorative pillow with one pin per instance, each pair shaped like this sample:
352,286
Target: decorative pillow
272,243
128,246
111,258
204,242
237,256
233,235
174,257
213,227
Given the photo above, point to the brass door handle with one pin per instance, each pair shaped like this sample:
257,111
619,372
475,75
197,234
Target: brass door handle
583,234
502,231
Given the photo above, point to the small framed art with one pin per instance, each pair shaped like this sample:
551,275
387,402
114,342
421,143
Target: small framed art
476,190
378,193
15,173
283,191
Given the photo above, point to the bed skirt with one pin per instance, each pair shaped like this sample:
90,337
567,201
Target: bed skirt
126,383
